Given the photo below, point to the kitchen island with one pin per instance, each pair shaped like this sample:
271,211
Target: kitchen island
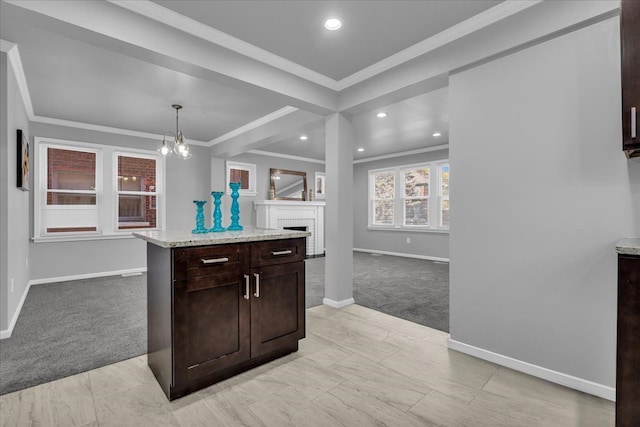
221,303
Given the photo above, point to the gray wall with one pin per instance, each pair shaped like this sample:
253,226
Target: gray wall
422,243
185,181
540,193
14,227
263,182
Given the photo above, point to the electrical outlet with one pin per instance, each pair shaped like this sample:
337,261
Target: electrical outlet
408,239
12,284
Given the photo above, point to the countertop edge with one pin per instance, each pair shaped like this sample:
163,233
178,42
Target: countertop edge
628,246
208,239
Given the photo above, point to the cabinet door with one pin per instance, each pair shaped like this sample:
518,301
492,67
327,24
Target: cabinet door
277,307
628,357
630,45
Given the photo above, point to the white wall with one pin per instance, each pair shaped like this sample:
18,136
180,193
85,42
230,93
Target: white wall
263,182
425,244
15,206
185,181
540,194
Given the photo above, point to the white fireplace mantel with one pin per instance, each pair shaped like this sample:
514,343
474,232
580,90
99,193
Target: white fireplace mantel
291,213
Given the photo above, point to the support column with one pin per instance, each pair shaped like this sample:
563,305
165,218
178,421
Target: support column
338,282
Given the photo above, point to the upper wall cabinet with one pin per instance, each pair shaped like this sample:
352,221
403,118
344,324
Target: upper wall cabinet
630,44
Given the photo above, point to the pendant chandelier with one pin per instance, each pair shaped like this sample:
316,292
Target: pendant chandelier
180,147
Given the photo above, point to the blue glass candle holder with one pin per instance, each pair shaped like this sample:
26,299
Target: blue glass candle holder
235,207
199,217
217,212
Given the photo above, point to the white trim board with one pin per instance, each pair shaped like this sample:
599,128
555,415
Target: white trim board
129,271
427,257
563,379
6,333
338,304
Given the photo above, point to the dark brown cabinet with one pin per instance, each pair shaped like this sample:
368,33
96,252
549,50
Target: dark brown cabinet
628,354
630,52
215,311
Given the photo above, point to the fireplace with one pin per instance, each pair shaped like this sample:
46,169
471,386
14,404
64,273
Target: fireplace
294,215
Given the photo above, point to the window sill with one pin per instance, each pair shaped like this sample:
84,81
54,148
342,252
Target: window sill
409,229
56,239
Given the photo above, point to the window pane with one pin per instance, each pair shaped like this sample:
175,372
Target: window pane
444,179
384,185
416,182
383,212
444,209
241,176
416,212
136,174
70,199
136,212
70,170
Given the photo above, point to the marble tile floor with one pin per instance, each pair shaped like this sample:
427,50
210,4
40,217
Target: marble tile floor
357,367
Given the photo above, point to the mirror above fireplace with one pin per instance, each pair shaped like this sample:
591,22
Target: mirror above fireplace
288,185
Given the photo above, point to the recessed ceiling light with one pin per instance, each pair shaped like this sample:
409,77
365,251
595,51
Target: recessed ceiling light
360,149
333,24
381,115
303,137
437,134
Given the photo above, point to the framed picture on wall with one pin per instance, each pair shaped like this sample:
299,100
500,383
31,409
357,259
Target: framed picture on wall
245,174
23,165
320,185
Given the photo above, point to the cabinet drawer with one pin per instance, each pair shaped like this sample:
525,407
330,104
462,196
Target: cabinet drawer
273,252
210,260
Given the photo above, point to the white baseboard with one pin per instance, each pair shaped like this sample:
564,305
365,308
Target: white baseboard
430,258
338,304
6,333
129,271
566,380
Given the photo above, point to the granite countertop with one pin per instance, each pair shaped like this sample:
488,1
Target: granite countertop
628,246
181,238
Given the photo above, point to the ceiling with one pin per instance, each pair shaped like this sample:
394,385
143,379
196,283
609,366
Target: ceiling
94,77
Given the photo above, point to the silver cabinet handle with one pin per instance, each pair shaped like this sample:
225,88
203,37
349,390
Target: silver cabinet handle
246,286
214,260
287,252
633,123
257,276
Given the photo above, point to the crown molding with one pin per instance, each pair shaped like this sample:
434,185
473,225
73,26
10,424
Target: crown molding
253,125
188,25
403,153
13,55
107,129
464,28
286,156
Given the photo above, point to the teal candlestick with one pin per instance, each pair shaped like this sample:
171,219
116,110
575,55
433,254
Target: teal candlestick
235,207
199,217
217,212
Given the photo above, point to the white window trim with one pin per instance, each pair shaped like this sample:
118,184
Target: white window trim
251,191
158,192
105,163
398,212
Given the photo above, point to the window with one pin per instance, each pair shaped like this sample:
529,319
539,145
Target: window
245,174
89,191
136,191
402,197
